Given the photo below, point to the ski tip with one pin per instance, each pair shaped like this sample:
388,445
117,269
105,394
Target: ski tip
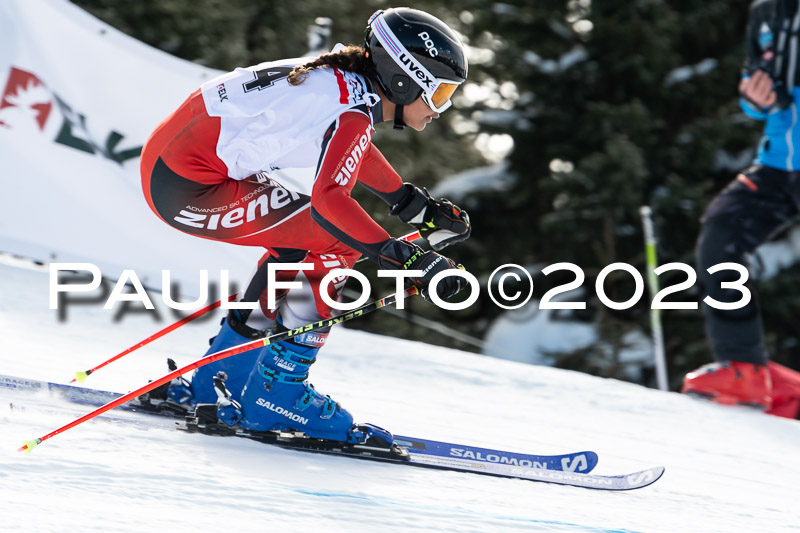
28,446
658,471
80,377
645,477
591,460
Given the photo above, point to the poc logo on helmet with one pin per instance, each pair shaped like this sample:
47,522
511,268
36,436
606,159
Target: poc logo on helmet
428,43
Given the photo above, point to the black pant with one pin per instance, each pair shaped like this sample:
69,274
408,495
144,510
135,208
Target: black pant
752,208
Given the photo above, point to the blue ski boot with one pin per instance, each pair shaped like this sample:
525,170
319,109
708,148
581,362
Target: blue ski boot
224,417
237,367
278,397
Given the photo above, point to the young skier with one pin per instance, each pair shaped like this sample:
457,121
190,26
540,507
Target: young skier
216,168
762,200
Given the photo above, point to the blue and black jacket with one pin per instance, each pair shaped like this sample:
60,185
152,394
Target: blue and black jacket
773,44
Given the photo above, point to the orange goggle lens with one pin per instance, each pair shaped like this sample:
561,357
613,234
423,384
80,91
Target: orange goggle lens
443,93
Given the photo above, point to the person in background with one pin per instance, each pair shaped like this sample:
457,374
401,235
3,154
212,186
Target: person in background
761,201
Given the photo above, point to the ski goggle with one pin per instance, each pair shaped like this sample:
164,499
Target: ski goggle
439,101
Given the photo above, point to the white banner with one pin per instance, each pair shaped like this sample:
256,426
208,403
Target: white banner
78,101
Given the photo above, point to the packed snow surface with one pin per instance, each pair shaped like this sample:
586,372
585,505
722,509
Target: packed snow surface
727,469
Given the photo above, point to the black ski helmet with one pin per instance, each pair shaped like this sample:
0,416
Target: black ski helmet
413,53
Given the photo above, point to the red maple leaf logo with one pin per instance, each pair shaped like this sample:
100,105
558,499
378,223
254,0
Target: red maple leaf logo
25,101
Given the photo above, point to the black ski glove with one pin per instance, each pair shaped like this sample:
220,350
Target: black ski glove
401,255
439,221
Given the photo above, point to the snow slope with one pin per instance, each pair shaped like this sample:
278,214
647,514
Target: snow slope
727,469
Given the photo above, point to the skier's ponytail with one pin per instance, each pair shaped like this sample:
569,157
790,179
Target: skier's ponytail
351,59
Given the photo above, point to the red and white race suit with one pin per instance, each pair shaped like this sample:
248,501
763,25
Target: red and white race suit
228,165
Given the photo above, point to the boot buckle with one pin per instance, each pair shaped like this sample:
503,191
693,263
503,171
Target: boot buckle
328,408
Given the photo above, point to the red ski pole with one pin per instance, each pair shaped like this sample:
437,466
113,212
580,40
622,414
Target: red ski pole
81,376
29,445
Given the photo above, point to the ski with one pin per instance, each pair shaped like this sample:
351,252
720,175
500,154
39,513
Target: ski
73,394
403,452
79,395
578,462
582,462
